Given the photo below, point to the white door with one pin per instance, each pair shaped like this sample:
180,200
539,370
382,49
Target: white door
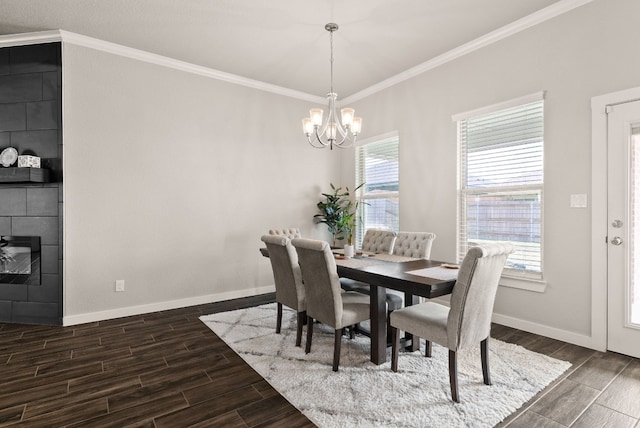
623,270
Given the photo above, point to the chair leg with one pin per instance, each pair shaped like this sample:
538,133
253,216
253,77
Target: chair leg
484,355
453,375
352,332
301,317
279,318
307,348
427,348
336,348
395,344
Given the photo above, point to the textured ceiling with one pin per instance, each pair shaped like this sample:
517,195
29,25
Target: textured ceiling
282,42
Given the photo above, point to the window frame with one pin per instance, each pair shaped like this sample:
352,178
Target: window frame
360,196
525,279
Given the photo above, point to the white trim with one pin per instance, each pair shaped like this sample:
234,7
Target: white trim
536,328
545,330
30,38
151,58
163,306
529,284
508,30
514,102
599,177
164,61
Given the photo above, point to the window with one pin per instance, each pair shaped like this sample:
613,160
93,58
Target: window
379,198
501,181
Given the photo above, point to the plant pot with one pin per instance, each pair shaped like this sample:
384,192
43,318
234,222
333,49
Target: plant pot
349,251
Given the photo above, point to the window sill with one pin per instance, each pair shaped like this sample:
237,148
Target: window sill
529,284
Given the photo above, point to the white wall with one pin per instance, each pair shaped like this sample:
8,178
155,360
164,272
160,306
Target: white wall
170,179
167,184
589,51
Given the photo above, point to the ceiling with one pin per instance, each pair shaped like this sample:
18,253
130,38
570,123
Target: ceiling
281,42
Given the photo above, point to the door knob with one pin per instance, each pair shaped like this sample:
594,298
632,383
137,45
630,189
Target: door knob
616,240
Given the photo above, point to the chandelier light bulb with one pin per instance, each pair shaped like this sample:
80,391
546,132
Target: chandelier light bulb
347,116
316,116
356,126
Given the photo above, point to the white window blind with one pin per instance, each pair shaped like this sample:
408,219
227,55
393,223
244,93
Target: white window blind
501,183
379,198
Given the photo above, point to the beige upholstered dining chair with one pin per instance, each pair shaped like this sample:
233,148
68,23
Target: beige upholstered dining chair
378,241
288,232
325,300
288,280
468,320
414,244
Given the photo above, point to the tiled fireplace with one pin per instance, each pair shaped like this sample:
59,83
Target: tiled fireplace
20,260
31,211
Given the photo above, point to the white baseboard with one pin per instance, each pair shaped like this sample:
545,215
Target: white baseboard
163,306
544,330
541,329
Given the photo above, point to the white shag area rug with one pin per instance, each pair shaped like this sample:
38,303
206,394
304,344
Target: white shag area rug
362,394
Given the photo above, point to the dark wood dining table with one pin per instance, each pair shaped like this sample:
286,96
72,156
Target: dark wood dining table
385,271
382,271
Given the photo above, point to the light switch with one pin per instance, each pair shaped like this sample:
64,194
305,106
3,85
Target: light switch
579,201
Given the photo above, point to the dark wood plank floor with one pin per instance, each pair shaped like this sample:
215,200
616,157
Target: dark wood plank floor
167,369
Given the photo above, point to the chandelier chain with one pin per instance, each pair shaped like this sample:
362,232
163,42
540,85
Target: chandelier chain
331,58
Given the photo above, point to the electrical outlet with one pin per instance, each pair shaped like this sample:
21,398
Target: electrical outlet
120,285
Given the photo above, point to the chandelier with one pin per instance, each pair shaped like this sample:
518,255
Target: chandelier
333,132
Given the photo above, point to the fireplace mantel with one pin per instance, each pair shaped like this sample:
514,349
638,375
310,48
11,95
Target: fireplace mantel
24,175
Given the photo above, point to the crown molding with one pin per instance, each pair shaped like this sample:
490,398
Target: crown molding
30,38
515,27
140,55
508,30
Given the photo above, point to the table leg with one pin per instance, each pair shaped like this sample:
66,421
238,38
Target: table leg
410,299
378,324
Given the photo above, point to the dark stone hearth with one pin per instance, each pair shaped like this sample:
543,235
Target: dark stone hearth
30,121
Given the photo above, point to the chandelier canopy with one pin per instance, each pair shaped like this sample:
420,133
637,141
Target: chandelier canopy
333,132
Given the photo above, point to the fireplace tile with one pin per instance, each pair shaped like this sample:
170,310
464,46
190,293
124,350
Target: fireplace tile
42,115
12,117
35,312
42,201
34,58
13,292
5,139
5,225
49,259
42,143
44,227
19,88
5,311
50,85
4,61
14,202
45,293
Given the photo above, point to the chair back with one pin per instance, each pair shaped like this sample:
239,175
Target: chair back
288,232
321,281
379,241
286,272
414,244
474,294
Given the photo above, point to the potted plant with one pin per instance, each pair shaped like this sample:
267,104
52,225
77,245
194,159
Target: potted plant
347,225
338,212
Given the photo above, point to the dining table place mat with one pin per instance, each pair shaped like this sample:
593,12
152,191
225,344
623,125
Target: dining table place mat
357,262
437,272
393,258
